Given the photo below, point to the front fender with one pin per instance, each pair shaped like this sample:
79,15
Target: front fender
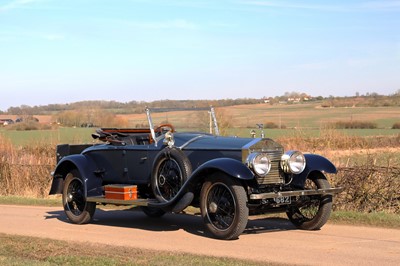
86,168
314,162
231,167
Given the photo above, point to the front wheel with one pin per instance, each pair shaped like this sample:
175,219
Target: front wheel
77,209
314,211
223,204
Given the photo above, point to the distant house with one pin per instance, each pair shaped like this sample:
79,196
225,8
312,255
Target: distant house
268,100
294,100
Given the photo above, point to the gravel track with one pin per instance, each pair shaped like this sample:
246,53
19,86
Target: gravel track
267,239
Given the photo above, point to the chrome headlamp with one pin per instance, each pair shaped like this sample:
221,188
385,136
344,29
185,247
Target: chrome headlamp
259,163
293,162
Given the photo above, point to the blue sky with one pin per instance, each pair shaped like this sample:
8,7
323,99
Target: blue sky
54,51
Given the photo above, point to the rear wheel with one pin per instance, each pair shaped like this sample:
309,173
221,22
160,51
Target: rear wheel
313,211
223,204
77,209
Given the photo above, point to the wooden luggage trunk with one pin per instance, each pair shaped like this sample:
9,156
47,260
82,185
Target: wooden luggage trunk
121,192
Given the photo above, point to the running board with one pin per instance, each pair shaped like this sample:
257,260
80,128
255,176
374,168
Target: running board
137,202
271,195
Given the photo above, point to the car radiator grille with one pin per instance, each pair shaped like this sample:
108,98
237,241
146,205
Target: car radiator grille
274,176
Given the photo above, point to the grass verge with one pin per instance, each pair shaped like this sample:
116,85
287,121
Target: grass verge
23,250
17,200
377,219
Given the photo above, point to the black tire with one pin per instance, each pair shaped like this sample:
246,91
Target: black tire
152,212
223,204
171,169
315,212
77,209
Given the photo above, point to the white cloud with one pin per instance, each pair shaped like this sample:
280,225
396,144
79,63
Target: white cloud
17,34
387,5
53,37
296,5
360,63
171,24
313,66
16,4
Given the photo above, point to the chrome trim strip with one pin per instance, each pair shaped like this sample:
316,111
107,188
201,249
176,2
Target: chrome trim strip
271,195
251,143
190,141
137,202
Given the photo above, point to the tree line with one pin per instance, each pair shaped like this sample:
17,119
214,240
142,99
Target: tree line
132,107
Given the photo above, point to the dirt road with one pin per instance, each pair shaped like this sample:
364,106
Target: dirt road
264,239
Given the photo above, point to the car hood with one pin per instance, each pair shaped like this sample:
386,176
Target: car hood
211,142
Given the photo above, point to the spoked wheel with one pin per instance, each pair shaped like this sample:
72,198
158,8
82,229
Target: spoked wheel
170,171
223,204
314,211
77,209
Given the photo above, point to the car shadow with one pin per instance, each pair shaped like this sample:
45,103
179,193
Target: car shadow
268,225
135,218
193,224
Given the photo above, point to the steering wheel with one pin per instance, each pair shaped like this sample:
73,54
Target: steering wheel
163,128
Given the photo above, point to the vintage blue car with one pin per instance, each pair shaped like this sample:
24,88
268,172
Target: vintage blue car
161,170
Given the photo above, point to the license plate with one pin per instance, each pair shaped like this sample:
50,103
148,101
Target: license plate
283,200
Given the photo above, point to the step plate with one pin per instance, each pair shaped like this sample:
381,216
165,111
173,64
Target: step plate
137,202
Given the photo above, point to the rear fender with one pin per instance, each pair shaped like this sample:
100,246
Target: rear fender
86,168
314,162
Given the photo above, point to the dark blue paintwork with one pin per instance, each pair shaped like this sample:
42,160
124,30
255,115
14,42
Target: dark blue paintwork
132,164
314,162
104,164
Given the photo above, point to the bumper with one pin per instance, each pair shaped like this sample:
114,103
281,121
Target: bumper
271,195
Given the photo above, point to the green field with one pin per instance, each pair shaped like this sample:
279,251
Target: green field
57,136
83,135
303,119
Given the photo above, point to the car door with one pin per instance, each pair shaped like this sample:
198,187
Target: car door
112,163
138,164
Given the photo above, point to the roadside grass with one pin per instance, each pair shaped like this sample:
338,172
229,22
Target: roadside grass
377,219
24,250
54,201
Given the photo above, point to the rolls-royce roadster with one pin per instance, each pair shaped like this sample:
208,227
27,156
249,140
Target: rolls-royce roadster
162,170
